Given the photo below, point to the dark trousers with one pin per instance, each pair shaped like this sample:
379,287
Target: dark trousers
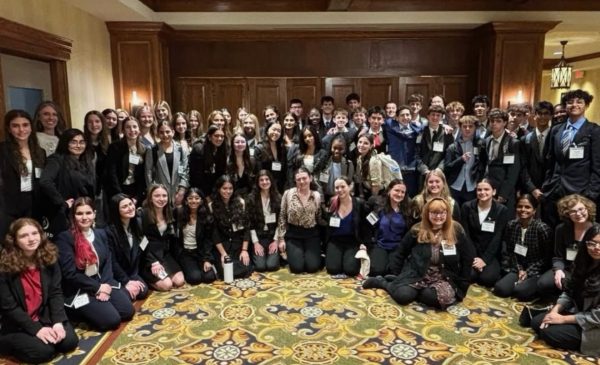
340,256
489,275
462,196
380,259
546,286
304,254
411,180
105,316
266,262
523,291
193,268
405,294
30,349
233,249
24,209
564,336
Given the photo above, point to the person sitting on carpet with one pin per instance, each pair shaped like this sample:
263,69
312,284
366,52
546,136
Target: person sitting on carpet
194,249
92,295
346,231
526,240
35,327
573,324
390,220
231,232
158,266
433,261
124,238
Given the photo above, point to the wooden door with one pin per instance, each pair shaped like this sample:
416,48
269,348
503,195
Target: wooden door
340,87
267,91
378,91
454,88
193,93
306,89
426,86
230,93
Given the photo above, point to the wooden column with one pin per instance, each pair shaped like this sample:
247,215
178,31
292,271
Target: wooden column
511,58
140,61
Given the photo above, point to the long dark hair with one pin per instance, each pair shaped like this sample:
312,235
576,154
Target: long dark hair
185,212
302,145
213,154
231,166
37,153
367,158
103,137
114,217
233,212
84,161
405,205
274,196
281,154
188,132
114,133
585,281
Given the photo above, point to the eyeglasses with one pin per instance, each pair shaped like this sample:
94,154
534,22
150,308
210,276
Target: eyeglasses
442,213
77,143
593,244
577,211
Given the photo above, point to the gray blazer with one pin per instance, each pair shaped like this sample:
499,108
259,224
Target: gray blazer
157,172
588,318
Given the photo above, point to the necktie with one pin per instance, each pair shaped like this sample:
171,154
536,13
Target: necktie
541,144
565,140
376,140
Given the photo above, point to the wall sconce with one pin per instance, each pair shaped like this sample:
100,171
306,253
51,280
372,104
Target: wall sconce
518,99
134,103
561,73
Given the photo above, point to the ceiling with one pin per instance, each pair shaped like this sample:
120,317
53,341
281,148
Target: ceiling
578,18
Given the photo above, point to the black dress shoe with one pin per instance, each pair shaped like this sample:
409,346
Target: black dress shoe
390,277
375,283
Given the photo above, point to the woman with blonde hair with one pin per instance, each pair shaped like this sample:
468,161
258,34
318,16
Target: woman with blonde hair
148,125
433,262
195,121
436,186
162,111
35,327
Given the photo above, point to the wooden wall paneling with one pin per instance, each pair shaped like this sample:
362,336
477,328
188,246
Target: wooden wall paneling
340,87
455,88
306,89
426,86
60,88
2,104
193,94
266,91
229,93
378,91
133,71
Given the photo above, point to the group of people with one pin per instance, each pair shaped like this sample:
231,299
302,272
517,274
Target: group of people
422,206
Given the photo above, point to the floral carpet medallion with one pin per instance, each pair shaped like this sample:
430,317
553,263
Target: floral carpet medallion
280,318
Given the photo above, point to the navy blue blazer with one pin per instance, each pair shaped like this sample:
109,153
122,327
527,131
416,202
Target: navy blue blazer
14,309
125,259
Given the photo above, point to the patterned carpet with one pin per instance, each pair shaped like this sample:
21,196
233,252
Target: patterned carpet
279,318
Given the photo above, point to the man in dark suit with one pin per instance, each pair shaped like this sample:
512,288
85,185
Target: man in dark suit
433,143
533,162
500,159
574,149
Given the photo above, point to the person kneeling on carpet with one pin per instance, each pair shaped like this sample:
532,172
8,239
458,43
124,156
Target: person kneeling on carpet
574,322
433,262
34,324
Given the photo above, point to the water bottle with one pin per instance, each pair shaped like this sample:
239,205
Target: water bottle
228,270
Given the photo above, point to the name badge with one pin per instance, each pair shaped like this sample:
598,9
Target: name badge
419,138
276,166
134,159
81,300
448,250
334,222
144,243
571,253
476,151
324,177
251,150
236,228
508,159
91,270
488,226
352,146
575,153
38,172
372,218
521,250
438,146
271,218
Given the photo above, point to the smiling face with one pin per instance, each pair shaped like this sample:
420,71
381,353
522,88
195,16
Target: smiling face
264,183
485,192
180,125
270,116
20,129
327,107
194,122
467,130
165,132
593,247
364,146
289,123
415,107
303,180
542,118
497,126
132,129
126,209
239,143
274,132
397,193
84,217
455,114
342,189
309,139
146,118
525,211
159,198
579,213
227,117
437,217
434,119
28,238
249,126
193,201
359,119
93,124
162,113
437,100
226,191
434,185
340,120
48,118
217,138
338,149
390,110
314,116
375,121
218,120
111,120
575,108
480,110
77,145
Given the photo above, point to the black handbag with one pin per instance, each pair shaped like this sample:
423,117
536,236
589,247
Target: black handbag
529,312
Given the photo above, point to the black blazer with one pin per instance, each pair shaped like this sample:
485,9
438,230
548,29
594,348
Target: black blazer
160,246
203,243
75,280
563,239
454,163
427,159
256,216
10,180
117,170
125,259
202,173
412,259
264,160
361,233
60,182
534,165
567,176
14,309
504,176
488,244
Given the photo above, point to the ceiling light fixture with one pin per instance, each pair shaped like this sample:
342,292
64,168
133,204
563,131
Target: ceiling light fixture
561,73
